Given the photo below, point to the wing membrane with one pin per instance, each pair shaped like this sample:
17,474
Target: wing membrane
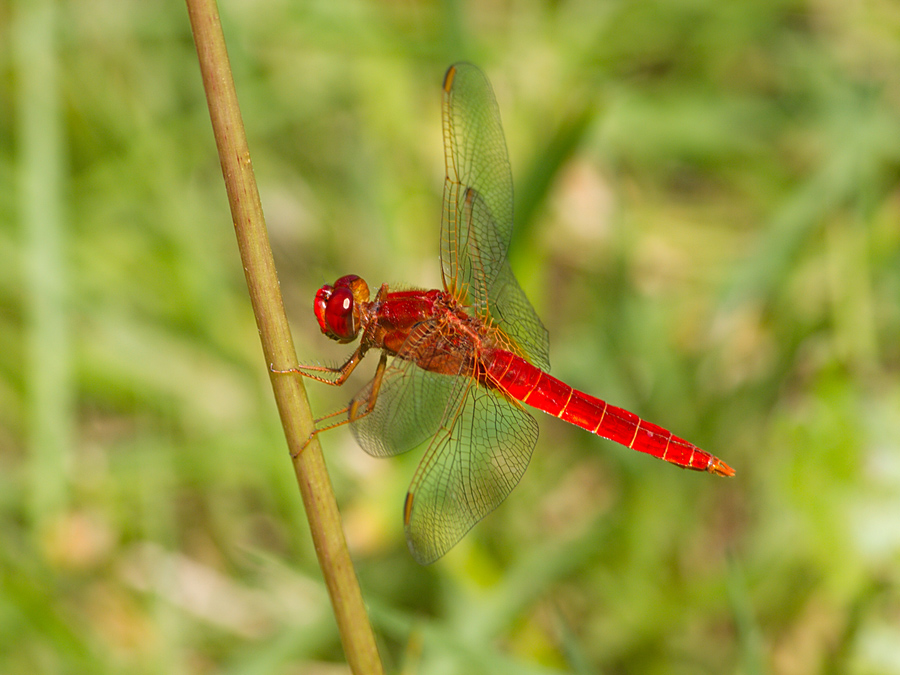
478,456
478,213
411,402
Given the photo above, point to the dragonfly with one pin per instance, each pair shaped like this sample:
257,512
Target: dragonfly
459,364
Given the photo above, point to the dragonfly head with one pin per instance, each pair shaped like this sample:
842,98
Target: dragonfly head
337,307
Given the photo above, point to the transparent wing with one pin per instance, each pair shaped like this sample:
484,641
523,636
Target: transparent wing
478,456
478,213
506,304
411,401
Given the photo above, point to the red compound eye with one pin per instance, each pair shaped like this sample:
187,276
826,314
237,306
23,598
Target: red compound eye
338,307
334,310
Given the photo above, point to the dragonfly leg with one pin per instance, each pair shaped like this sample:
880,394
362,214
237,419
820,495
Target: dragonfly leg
355,406
355,410
319,429
335,376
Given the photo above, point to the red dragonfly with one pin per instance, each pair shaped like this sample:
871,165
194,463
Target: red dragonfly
467,357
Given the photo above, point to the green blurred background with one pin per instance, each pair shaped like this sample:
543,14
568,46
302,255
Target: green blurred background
707,221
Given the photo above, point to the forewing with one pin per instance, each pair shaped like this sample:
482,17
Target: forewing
475,157
478,213
478,456
504,303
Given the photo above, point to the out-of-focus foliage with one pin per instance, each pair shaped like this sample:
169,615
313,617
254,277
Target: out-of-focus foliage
709,225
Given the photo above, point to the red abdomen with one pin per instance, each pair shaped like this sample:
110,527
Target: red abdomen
531,385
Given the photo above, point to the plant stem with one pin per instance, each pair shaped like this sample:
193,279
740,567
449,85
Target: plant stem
278,347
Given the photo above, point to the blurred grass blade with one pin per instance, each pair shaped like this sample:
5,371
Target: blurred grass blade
40,187
864,151
535,185
36,604
748,632
570,645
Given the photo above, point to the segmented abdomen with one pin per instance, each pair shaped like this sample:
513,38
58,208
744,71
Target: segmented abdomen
531,385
